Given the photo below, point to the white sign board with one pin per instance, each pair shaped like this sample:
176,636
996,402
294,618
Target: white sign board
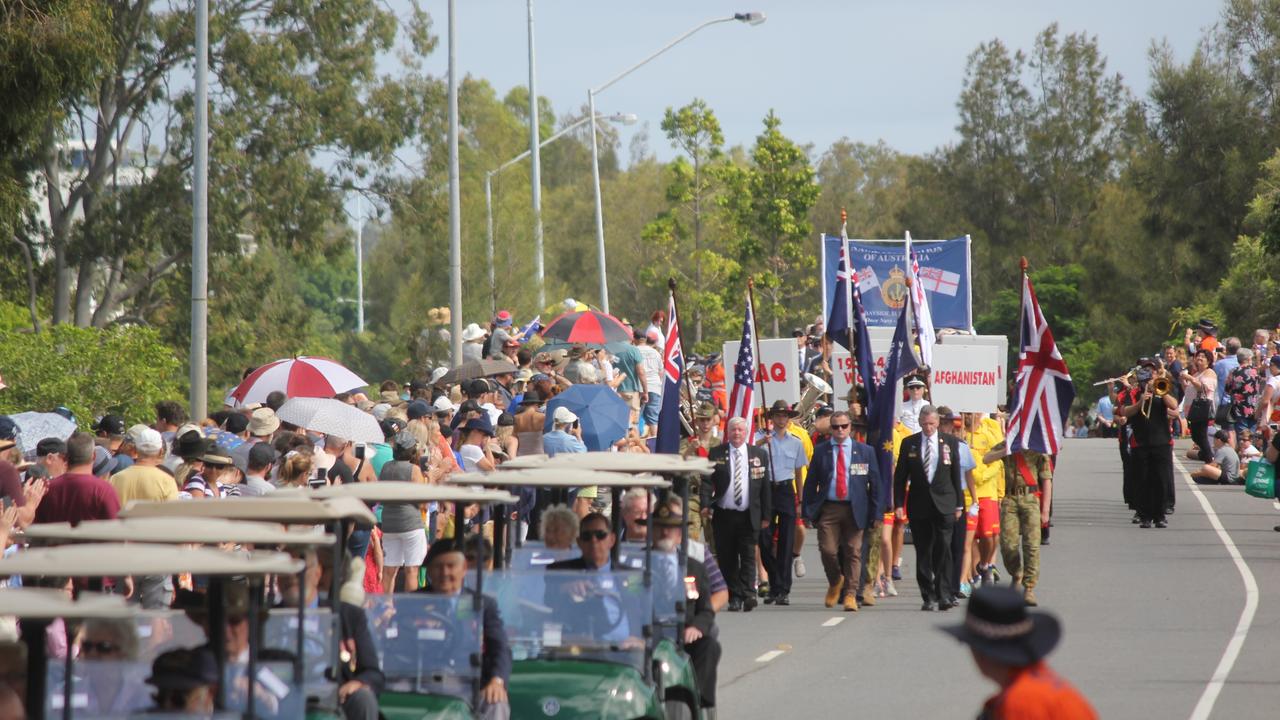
1001,343
776,371
966,377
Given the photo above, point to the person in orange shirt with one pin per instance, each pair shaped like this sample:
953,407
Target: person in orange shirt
1009,645
1205,337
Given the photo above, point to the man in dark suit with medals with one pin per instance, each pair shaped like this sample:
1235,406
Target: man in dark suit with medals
930,462
737,499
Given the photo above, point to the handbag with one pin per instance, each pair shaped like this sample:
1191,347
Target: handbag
1201,410
1260,480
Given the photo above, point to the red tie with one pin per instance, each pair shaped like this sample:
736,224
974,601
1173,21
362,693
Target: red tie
842,480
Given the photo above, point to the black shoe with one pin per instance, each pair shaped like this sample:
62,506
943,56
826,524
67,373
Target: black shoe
1144,524
749,604
782,600
1168,510
735,606
929,606
1044,540
1162,524
769,600
947,604
1136,519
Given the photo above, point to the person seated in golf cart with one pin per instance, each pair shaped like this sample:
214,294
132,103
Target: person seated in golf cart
359,674
447,567
593,605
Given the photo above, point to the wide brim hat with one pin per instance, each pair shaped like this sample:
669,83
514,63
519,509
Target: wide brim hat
1207,326
998,625
479,423
665,516
704,410
780,407
472,332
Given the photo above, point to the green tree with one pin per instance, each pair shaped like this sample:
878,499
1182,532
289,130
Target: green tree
123,370
767,201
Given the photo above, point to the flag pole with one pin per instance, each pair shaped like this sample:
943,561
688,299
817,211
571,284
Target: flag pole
764,402
848,303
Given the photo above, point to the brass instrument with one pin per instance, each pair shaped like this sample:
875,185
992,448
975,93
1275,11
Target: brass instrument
1161,385
815,388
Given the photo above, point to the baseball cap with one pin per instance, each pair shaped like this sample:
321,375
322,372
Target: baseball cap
444,405
147,440
184,669
480,423
8,432
262,454
110,424
390,427
404,441
564,415
236,423
418,409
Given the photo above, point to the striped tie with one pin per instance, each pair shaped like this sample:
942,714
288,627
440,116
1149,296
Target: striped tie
739,481
926,441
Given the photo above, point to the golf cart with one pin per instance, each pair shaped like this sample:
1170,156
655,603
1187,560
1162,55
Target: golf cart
584,644
70,688
429,645
316,629
673,669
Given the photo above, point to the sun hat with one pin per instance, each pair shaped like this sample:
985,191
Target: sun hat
472,332
502,319
564,416
263,422
998,625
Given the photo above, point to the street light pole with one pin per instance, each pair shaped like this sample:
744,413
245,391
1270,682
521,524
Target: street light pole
536,177
360,264
750,18
455,200
199,355
624,118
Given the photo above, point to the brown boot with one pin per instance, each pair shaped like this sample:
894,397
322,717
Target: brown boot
833,594
850,603
1029,596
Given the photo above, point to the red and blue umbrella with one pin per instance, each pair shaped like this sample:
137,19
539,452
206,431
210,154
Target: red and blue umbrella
586,327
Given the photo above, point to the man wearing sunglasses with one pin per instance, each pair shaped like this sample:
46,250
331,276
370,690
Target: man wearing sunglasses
594,606
840,494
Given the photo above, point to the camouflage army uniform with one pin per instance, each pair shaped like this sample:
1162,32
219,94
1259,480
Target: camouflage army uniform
1020,518
689,449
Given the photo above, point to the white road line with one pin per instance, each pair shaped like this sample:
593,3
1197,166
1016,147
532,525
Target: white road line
769,656
833,622
1204,707
1275,504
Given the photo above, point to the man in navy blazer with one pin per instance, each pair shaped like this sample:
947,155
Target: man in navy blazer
930,460
841,492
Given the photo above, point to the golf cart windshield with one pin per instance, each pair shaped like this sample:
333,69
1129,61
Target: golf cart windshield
427,643
574,614
280,639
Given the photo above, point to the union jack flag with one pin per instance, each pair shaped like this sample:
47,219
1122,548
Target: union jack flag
920,306
744,371
673,371
1044,391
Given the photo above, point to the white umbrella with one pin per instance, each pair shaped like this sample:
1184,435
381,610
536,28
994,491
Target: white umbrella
315,377
331,417
36,426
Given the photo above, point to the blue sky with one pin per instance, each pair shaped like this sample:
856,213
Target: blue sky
864,69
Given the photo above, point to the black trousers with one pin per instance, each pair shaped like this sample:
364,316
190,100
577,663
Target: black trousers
1200,436
958,570
1130,478
705,657
776,557
1155,475
736,550
931,533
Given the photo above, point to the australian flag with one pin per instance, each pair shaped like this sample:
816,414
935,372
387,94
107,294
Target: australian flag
863,359
838,323
673,373
1039,407
900,361
740,401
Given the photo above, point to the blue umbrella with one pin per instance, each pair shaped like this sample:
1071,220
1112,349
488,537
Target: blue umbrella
604,416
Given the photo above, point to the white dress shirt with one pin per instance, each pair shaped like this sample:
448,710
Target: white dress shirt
739,472
932,442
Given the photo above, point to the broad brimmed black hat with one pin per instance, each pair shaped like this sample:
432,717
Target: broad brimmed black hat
666,516
1207,326
780,407
998,625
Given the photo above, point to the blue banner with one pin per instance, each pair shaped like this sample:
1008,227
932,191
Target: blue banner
881,276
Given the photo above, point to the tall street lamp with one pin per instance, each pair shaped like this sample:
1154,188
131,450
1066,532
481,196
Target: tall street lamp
535,178
624,118
750,18
455,201
199,355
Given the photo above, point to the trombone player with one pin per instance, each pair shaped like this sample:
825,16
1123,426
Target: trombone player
1147,414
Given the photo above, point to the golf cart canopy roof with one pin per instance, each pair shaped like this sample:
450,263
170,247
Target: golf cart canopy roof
289,507
110,559
170,530
383,492
49,604
655,463
559,477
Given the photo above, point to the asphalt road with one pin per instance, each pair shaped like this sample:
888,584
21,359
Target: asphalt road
1148,616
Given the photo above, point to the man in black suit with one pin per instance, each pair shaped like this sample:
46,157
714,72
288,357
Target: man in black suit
738,502
446,568
930,461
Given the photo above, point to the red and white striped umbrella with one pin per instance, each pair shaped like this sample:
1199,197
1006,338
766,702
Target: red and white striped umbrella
295,377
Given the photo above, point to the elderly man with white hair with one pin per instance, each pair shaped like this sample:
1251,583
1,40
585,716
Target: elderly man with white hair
738,502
